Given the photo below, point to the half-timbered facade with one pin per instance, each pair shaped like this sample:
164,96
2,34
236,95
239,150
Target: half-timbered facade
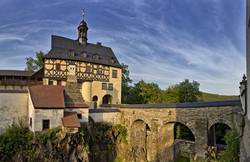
92,66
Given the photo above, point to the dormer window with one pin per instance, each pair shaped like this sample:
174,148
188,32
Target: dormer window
72,53
95,57
85,55
112,60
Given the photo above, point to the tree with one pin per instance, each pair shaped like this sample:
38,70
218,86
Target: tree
188,91
183,92
150,93
126,81
34,64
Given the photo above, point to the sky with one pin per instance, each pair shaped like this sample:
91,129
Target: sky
162,41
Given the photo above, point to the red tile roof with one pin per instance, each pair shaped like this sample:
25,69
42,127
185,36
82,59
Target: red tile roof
71,121
47,96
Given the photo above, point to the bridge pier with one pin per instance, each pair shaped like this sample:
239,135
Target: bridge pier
201,137
166,143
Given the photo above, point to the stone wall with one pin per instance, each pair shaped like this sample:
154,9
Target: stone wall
12,107
245,143
112,116
151,127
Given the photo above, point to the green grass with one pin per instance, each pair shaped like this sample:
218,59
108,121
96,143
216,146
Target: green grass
216,97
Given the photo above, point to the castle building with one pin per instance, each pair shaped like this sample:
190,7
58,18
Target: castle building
77,75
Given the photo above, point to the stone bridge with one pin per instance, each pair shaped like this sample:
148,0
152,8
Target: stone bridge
151,126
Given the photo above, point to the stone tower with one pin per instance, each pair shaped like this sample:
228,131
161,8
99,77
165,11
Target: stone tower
82,32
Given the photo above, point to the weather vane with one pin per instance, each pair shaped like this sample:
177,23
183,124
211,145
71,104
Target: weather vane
83,13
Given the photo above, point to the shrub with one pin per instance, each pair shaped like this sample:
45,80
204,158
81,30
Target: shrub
230,154
17,138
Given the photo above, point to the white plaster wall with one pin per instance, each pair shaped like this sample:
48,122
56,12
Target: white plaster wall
12,107
54,115
107,117
84,112
31,112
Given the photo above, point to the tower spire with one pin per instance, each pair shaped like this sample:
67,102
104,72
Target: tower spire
82,30
83,13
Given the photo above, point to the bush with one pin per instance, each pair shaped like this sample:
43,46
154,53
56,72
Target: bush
231,153
43,136
17,138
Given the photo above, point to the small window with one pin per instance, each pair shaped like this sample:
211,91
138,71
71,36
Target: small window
110,86
58,67
88,69
112,59
59,82
79,116
95,57
46,124
104,86
114,73
84,54
50,82
30,122
99,71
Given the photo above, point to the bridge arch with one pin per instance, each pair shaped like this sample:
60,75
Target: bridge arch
220,120
216,134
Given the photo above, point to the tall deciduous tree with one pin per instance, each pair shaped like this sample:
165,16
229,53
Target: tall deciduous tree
34,64
188,91
126,81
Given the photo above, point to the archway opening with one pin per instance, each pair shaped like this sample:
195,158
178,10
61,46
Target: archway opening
95,99
139,140
107,99
216,135
182,132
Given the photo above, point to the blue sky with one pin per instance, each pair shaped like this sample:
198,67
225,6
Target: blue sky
162,41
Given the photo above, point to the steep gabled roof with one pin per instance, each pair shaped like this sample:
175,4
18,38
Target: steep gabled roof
71,121
15,73
65,48
47,97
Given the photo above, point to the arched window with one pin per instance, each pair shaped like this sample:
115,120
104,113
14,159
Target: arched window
94,98
107,99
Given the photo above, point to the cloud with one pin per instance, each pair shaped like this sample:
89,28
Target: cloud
169,54
161,41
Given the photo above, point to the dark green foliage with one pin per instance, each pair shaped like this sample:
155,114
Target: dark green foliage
188,91
34,64
17,138
183,132
18,143
231,153
182,159
125,83
45,135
